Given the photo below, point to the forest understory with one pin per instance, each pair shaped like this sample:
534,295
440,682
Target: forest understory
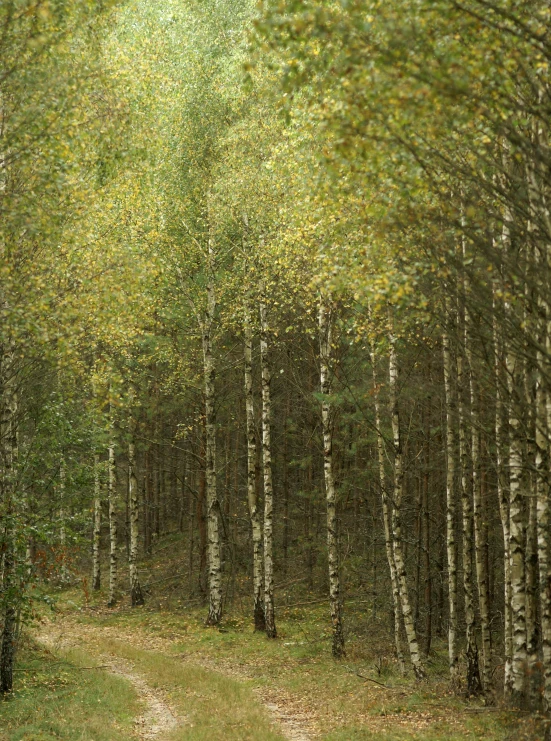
197,682
275,369
189,681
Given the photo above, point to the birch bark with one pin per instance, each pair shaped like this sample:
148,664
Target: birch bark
113,523
539,200
543,515
96,535
325,319
451,545
474,686
136,594
269,611
407,614
213,507
254,511
502,476
386,518
517,495
8,462
62,522
480,527
517,530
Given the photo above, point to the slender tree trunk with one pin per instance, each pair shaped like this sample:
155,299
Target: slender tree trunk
113,524
427,536
539,199
543,528
480,529
285,545
407,615
8,462
147,511
386,518
269,612
517,530
96,536
62,523
515,366
213,507
156,491
136,595
532,625
474,685
202,525
543,513
502,478
325,339
254,511
530,472
419,550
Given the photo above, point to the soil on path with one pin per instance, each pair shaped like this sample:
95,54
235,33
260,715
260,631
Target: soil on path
294,722
158,717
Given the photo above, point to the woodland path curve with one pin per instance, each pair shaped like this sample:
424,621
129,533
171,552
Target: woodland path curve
158,717
291,719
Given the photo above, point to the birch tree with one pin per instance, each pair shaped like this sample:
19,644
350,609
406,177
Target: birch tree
113,502
386,516
451,547
136,595
96,534
405,604
9,455
269,611
254,511
325,321
213,535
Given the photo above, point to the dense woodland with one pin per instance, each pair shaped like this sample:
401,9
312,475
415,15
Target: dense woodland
277,276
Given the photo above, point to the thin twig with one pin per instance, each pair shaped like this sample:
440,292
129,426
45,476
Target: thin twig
79,668
368,679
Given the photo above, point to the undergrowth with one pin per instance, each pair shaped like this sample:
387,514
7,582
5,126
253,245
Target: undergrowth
210,673
59,697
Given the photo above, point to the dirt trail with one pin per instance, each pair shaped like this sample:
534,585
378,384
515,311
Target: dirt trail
158,717
292,720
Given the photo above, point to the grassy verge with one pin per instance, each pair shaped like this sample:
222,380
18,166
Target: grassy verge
210,706
55,698
296,671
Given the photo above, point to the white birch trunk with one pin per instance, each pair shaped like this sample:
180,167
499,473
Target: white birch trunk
113,524
517,531
386,520
213,532
503,494
407,613
62,523
254,512
8,463
539,193
136,595
451,546
480,530
474,686
269,611
325,339
543,524
517,496
96,535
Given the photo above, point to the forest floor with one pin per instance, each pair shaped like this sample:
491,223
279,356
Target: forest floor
88,673
195,683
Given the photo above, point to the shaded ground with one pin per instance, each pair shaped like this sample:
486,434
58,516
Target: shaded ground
294,722
306,694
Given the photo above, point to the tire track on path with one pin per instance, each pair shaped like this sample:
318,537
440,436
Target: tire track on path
292,720
158,717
